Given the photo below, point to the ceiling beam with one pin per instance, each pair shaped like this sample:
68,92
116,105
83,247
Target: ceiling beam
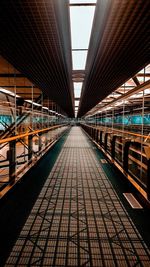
11,75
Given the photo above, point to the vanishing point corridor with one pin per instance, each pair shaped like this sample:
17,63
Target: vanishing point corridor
78,219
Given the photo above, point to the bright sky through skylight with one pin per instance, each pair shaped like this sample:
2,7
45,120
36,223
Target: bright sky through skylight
81,25
76,103
82,1
79,59
77,89
81,21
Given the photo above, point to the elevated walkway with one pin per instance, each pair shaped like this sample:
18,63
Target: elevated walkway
78,218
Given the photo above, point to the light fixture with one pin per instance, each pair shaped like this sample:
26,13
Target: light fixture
34,103
2,90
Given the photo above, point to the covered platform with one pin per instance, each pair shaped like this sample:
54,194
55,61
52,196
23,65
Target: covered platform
78,216
74,133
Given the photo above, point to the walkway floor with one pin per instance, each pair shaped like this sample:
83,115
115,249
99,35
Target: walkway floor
78,219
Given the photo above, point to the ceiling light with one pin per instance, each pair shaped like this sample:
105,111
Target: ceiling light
2,90
35,104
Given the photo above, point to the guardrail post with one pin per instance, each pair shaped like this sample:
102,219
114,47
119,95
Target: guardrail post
113,142
40,143
97,136
30,149
147,153
46,138
105,141
125,155
100,140
148,179
12,161
92,133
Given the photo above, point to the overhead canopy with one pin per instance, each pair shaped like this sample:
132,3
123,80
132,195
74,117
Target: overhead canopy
35,38
119,47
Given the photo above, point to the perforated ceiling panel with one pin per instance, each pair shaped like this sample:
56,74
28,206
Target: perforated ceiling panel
35,38
119,48
32,41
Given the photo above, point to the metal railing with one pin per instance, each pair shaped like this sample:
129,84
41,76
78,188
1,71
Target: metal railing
128,151
20,152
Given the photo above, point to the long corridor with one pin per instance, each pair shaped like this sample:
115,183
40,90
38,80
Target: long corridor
78,218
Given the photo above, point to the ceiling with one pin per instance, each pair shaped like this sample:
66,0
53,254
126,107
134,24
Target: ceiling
35,39
119,47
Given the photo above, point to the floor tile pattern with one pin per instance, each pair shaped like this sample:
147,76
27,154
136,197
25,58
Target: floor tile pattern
78,219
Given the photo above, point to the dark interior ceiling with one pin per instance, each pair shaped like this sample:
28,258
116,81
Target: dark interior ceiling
119,48
35,38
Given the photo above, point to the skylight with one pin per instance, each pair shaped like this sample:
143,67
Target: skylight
79,59
81,25
76,103
77,89
83,1
81,20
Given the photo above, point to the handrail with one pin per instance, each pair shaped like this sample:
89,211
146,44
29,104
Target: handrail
6,140
115,130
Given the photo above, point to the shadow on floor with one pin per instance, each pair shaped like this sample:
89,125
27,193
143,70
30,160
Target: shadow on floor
16,207
140,217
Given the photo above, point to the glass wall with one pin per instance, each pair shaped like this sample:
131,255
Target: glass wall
30,115
123,118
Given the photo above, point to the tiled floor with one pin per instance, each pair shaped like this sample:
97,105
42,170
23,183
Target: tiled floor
78,219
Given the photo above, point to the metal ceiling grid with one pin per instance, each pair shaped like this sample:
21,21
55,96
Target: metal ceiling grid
123,49
31,42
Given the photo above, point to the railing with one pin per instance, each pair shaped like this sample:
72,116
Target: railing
19,153
130,152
